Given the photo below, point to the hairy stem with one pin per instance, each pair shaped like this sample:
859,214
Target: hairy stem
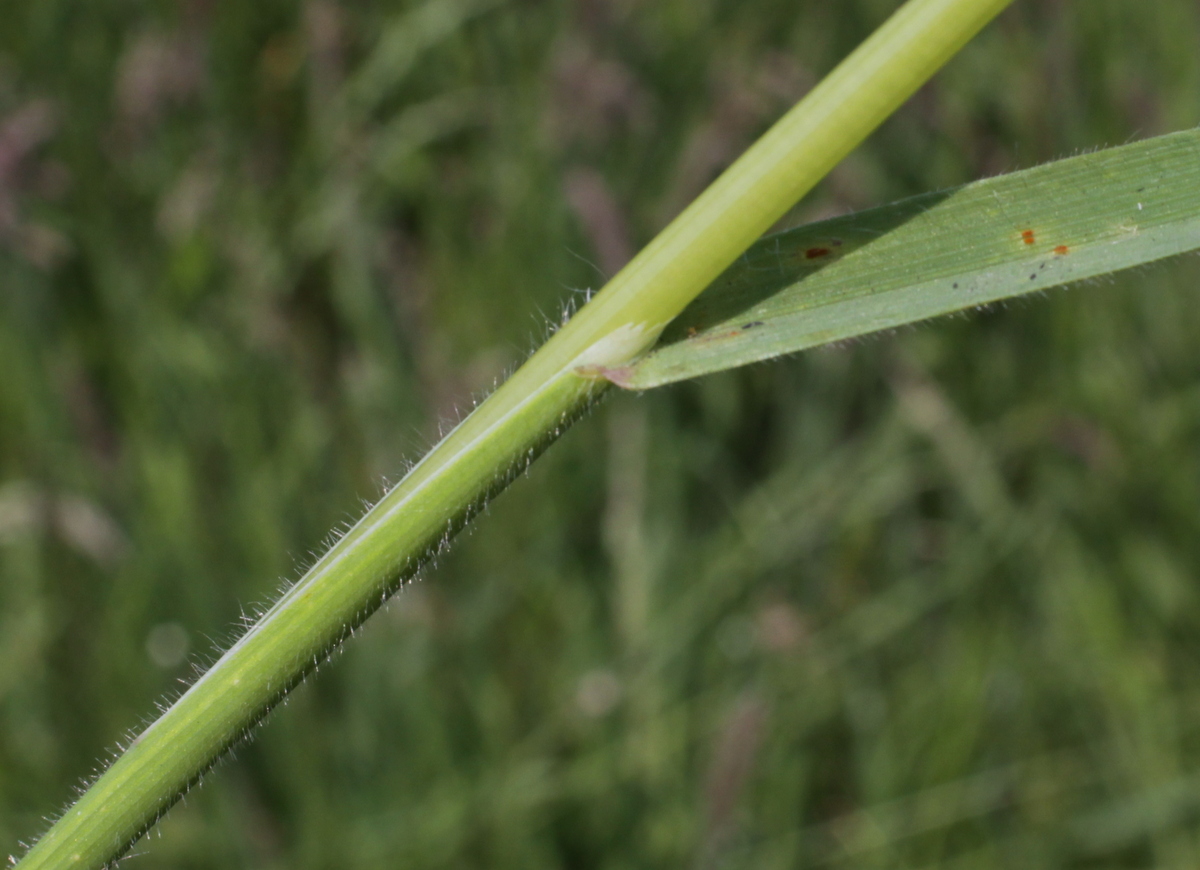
506,432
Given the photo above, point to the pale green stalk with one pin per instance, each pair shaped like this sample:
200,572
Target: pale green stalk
507,431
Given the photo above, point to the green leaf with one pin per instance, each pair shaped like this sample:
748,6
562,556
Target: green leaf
933,254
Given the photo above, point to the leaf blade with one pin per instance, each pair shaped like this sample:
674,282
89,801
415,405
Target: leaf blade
934,254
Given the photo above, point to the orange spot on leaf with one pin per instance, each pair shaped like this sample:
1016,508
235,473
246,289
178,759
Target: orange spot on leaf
1028,237
1062,250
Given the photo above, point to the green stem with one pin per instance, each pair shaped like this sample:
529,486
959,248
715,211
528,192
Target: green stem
505,433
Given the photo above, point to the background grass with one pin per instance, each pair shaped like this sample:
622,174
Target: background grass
928,600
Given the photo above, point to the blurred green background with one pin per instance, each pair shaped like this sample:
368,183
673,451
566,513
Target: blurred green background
927,600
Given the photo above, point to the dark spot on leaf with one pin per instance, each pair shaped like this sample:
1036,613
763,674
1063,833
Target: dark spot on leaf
752,324
816,253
